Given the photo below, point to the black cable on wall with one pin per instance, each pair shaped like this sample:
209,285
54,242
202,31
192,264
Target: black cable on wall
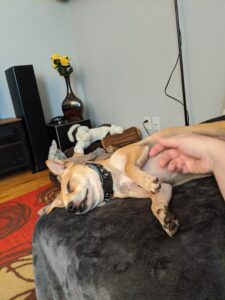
179,59
179,37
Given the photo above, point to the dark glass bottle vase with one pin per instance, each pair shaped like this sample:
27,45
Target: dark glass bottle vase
72,106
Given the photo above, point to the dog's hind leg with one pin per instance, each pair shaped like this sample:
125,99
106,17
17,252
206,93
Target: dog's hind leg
136,158
160,208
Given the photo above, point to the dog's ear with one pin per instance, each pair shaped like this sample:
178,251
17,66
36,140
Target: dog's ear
57,167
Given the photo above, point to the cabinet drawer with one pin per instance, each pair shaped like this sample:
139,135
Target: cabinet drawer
12,157
9,134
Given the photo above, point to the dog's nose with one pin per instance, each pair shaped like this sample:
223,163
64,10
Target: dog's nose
71,207
82,206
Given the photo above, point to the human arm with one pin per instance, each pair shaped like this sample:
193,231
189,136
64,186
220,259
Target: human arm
192,154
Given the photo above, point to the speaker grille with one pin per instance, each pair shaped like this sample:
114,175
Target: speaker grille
27,105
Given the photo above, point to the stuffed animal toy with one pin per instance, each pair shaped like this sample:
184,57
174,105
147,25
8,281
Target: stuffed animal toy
85,136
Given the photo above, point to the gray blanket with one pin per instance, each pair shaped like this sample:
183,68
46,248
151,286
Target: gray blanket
120,252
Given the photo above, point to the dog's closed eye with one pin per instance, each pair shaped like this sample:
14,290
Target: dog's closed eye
69,188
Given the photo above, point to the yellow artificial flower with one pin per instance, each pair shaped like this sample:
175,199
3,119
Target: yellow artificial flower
61,64
55,56
64,61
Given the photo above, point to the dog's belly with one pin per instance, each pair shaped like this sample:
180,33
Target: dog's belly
152,168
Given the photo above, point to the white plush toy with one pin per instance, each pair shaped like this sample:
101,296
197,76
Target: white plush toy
86,136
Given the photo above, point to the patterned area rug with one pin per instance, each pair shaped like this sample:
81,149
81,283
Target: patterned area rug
17,220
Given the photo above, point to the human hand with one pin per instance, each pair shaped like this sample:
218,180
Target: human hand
186,153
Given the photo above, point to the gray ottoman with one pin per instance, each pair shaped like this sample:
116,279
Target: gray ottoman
120,252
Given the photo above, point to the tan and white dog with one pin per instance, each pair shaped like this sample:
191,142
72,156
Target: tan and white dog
129,172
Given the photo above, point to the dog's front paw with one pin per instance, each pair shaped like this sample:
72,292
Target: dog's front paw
156,185
151,184
170,224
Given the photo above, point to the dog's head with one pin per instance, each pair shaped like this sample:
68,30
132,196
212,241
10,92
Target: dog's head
81,188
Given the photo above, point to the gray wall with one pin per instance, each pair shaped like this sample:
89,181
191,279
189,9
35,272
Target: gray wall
123,52
127,48
31,31
126,51
203,26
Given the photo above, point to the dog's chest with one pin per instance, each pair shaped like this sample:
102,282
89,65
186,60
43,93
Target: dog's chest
122,184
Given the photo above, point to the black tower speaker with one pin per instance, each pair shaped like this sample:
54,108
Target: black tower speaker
27,105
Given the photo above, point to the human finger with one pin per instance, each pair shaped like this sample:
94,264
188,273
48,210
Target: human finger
167,156
162,144
175,164
156,149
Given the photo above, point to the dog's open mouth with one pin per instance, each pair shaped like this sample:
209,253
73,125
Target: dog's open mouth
73,208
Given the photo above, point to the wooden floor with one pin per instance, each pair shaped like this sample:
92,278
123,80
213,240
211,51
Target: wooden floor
15,185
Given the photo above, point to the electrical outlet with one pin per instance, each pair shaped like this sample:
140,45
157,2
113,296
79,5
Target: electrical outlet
155,123
147,123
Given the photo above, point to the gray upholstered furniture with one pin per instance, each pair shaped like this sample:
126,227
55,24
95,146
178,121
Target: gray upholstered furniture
120,252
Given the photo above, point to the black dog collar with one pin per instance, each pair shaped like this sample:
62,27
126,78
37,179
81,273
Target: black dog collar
106,180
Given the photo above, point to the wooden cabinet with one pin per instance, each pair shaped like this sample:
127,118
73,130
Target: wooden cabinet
14,151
